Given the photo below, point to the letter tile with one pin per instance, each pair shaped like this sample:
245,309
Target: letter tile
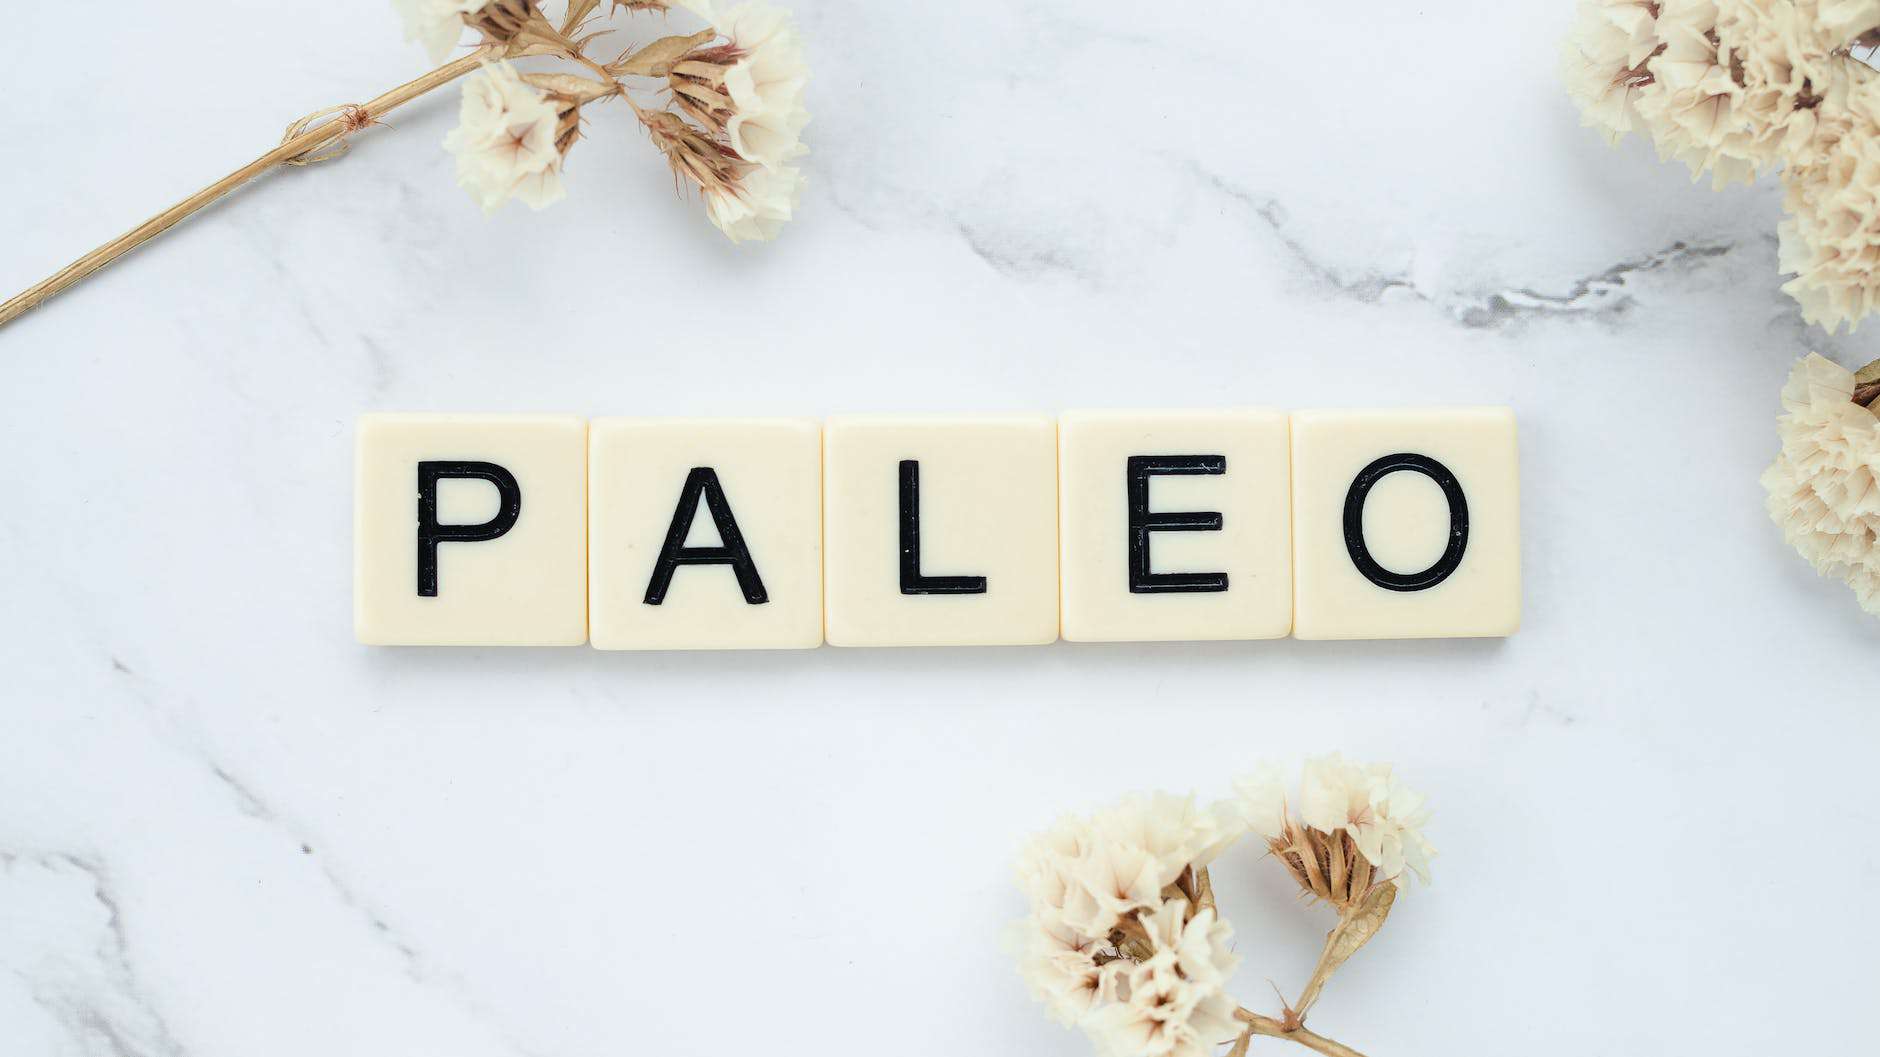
1175,525
705,534
470,530
1406,524
940,531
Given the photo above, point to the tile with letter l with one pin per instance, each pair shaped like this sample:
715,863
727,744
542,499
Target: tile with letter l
1175,525
705,534
1406,524
470,530
940,531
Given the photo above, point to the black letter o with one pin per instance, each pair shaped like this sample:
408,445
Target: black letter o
1354,523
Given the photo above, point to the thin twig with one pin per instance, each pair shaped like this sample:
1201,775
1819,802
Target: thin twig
1262,1025
298,146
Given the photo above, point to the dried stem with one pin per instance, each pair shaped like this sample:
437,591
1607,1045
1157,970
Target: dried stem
301,145
1357,923
1261,1025
1867,386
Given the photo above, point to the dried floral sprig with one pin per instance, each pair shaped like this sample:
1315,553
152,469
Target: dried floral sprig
1124,938
1734,88
1824,487
725,106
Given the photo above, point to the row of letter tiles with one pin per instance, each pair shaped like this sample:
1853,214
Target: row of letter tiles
1100,526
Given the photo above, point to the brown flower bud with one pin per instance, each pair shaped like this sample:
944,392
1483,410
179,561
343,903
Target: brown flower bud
693,155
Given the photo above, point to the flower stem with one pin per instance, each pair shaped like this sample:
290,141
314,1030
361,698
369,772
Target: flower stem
1867,385
1357,923
1259,1025
297,146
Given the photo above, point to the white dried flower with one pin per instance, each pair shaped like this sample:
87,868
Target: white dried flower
1059,967
1702,114
1831,238
749,89
1262,801
745,201
1123,937
1824,487
1101,916
1604,61
510,139
1173,830
1356,826
436,24
1736,87
1171,1003
1384,819
756,205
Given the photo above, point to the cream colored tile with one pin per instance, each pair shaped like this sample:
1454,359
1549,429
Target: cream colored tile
1430,549
1175,525
976,566
705,534
470,530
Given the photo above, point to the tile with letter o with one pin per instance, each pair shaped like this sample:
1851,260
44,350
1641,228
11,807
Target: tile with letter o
1175,525
940,531
470,530
1406,524
705,534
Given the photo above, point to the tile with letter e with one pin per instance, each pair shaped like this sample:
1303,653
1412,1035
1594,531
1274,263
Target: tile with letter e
1175,525
940,531
705,534
1406,524
470,530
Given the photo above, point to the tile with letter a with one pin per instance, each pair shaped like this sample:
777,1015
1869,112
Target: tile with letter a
470,530
705,534
1175,525
940,531
1406,524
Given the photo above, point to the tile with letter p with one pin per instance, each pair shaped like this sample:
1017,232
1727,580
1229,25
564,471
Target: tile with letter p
1176,525
705,534
1406,524
940,531
470,530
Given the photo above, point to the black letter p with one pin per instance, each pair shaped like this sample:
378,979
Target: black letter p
430,533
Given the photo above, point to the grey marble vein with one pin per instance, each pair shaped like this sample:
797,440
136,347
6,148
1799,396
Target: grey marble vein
1603,295
102,1005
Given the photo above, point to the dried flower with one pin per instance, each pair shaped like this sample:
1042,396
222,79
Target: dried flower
436,24
1830,240
1170,1003
510,139
1824,487
1124,939
757,206
749,89
745,201
1697,113
746,93
1737,87
1604,62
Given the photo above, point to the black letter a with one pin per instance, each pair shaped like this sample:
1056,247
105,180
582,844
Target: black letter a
704,480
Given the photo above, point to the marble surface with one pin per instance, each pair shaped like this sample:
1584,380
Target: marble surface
227,830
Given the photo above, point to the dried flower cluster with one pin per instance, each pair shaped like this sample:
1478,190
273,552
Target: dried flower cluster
729,120
1735,88
1824,487
1124,939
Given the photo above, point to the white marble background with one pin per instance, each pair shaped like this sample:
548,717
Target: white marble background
226,830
